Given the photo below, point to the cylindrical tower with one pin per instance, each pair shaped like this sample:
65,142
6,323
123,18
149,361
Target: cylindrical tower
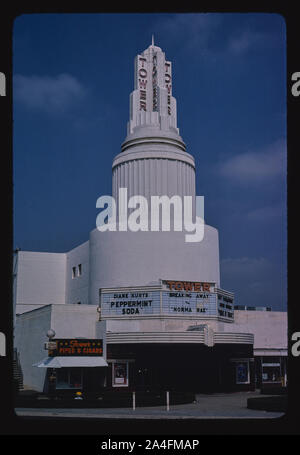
153,162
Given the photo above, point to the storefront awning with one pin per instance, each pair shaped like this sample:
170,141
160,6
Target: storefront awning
68,362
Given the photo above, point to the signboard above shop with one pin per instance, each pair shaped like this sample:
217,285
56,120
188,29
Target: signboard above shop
76,347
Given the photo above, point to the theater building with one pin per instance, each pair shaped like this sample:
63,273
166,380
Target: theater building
144,308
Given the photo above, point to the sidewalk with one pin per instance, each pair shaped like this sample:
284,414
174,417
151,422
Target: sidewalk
215,406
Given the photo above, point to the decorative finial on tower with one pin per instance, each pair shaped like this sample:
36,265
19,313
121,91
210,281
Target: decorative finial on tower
152,40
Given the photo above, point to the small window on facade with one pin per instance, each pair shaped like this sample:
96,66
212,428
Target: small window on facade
73,272
79,270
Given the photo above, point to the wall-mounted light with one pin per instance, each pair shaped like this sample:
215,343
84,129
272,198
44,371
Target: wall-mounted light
51,333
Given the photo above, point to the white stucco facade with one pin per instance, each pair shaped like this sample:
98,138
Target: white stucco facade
40,279
270,330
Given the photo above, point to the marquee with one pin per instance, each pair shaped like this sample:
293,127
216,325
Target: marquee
170,298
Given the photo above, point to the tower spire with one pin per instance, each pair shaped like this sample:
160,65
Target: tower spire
151,102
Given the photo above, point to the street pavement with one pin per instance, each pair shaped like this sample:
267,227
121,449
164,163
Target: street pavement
214,406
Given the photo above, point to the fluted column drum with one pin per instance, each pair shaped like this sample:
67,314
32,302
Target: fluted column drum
154,176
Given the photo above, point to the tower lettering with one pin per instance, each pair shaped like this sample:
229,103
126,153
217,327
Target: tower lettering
142,72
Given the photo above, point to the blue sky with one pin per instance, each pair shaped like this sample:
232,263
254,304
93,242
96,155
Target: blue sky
73,74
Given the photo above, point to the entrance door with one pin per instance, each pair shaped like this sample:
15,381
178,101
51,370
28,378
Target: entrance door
93,381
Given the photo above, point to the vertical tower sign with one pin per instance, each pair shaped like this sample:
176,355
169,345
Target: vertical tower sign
168,82
151,102
142,82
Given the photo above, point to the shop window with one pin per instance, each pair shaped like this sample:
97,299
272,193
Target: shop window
62,379
242,375
75,379
271,372
69,378
120,374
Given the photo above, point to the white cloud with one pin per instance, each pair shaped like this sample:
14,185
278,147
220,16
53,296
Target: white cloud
245,267
245,41
266,213
256,166
191,31
201,32
255,281
51,94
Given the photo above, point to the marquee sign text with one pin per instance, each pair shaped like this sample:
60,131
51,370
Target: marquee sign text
188,286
